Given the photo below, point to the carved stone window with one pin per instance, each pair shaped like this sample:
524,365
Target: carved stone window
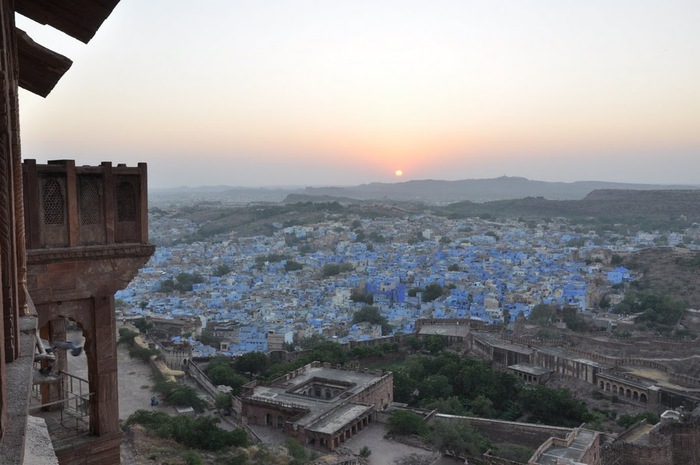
90,204
54,203
126,202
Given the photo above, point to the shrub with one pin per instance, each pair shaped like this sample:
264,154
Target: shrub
405,422
192,458
200,433
142,353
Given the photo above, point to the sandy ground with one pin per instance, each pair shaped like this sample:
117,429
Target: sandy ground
384,451
134,381
134,385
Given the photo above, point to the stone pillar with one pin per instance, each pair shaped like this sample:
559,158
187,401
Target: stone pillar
102,363
55,330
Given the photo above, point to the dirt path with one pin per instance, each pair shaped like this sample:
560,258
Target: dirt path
134,384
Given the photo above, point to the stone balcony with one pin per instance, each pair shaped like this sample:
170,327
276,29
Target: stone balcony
86,234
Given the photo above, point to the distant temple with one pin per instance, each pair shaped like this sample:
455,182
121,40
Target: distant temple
70,237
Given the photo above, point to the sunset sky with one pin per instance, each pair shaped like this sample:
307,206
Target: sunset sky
335,92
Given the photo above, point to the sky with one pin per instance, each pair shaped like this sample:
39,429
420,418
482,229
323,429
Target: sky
345,92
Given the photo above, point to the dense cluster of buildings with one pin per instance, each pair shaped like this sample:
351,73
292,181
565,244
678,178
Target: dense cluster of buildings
488,271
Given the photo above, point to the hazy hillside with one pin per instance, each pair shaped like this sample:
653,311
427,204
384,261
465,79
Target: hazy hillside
670,271
476,190
621,206
424,191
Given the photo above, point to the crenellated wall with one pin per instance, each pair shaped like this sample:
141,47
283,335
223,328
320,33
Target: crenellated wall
83,206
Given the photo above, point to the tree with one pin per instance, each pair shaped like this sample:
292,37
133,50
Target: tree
332,269
405,422
414,343
370,314
143,353
270,258
436,387
432,292
616,260
221,270
435,343
404,386
208,339
543,314
179,395
331,352
312,341
575,322
199,433
226,376
627,420
458,439
453,267
143,325
297,451
166,286
183,282
657,311
450,406
251,362
359,295
482,406
222,401
552,406
126,336
291,265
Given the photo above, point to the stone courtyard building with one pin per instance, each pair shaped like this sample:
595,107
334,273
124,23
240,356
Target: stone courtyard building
318,405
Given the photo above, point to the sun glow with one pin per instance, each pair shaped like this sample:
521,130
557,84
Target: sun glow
398,173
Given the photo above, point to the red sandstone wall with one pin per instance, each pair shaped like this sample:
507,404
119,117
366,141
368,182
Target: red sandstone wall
640,455
379,395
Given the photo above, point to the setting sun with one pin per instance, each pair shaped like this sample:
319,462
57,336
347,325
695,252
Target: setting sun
398,173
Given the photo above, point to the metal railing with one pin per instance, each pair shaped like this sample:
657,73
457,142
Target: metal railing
71,411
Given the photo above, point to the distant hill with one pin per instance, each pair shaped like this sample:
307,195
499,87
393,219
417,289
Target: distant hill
668,271
476,190
616,206
420,191
224,195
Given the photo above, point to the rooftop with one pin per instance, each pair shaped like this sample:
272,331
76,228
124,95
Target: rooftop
573,453
445,330
530,369
296,389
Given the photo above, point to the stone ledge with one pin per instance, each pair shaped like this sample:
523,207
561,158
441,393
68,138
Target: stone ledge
38,448
19,387
39,256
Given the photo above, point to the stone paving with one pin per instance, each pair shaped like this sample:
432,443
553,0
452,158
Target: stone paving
134,385
384,451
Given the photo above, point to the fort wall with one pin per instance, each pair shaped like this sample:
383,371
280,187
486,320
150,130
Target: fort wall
529,435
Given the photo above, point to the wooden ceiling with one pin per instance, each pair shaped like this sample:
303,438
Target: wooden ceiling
40,69
78,18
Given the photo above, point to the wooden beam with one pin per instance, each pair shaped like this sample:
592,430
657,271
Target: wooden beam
79,19
40,69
